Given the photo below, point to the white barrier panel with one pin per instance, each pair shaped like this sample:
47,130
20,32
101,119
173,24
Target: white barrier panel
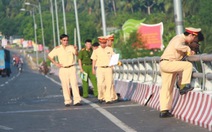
194,107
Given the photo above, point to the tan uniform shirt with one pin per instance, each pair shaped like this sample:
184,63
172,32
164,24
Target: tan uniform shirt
176,48
65,55
102,56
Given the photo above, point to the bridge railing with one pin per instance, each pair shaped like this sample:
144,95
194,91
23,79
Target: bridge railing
146,70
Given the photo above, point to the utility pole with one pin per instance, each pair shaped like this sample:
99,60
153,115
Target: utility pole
35,31
57,22
42,30
178,16
64,17
103,18
53,26
77,24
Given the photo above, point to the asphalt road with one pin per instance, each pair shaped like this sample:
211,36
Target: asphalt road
32,102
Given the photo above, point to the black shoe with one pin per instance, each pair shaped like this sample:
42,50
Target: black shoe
165,114
77,104
67,105
186,89
109,102
115,101
100,101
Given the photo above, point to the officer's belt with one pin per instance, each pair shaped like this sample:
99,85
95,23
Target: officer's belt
105,66
68,66
164,60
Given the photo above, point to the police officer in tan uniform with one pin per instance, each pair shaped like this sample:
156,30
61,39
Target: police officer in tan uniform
171,64
110,39
101,59
67,69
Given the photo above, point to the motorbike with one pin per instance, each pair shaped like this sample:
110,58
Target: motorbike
44,70
20,67
14,63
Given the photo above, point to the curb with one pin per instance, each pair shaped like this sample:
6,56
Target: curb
194,107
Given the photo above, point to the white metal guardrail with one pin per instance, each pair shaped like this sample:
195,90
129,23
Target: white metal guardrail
146,70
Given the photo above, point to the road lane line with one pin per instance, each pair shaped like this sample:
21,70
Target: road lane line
62,109
5,83
110,116
5,128
104,112
53,80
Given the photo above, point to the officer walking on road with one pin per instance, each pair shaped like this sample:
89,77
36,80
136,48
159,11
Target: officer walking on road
85,64
171,64
101,59
67,69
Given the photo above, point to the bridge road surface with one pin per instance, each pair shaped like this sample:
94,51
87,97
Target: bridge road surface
32,102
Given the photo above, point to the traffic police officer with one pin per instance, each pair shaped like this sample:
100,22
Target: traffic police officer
67,70
101,59
85,64
110,39
170,65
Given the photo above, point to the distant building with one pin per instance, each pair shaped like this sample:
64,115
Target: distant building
111,30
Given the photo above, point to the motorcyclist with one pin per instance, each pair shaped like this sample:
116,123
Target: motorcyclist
20,65
43,67
14,61
21,60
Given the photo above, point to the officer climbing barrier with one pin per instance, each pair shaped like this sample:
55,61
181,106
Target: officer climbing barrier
139,80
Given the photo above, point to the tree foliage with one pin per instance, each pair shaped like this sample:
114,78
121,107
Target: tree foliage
17,23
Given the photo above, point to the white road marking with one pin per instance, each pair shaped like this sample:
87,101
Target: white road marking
110,116
5,128
53,96
64,109
53,80
10,80
33,111
104,112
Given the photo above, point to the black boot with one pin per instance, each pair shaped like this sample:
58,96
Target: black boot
165,114
186,89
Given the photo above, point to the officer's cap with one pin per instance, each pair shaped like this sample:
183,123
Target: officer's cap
111,37
192,30
102,39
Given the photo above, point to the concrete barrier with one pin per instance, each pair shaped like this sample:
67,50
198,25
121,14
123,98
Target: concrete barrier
194,107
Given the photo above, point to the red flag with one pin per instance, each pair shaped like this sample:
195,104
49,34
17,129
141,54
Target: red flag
151,35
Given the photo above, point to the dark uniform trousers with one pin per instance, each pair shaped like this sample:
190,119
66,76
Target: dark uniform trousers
92,77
